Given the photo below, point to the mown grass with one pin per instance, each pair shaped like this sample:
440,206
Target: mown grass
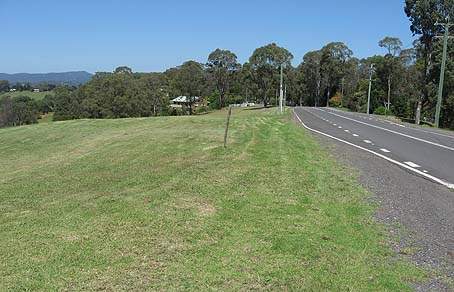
158,204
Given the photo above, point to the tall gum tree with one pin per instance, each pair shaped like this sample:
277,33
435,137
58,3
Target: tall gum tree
222,64
423,16
334,56
265,64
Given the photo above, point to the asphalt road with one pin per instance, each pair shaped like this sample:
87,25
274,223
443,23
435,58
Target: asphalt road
416,208
428,153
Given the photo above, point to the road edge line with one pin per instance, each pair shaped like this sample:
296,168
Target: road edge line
428,176
392,131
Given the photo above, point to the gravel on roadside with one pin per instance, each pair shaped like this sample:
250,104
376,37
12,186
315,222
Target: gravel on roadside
418,211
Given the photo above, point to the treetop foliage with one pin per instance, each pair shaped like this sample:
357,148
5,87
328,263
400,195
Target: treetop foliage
404,81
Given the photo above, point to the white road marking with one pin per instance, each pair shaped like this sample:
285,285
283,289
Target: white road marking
433,178
425,171
367,141
413,128
340,127
334,124
412,164
385,150
348,131
395,132
355,135
428,132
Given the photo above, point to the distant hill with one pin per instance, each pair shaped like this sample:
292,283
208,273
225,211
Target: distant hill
77,77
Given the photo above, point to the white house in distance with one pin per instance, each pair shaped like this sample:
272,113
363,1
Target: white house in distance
182,101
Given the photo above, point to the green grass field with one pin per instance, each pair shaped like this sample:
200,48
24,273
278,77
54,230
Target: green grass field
33,95
159,204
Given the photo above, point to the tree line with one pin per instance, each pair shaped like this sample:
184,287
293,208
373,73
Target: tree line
22,110
6,86
404,79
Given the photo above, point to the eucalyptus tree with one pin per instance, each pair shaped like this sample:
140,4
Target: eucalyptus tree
332,66
423,16
392,44
249,88
310,68
394,47
17,111
190,80
222,64
265,64
154,87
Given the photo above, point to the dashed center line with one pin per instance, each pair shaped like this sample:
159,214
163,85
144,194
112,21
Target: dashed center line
385,150
367,141
412,164
348,131
395,132
407,165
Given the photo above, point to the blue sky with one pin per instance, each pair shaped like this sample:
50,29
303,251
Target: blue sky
99,35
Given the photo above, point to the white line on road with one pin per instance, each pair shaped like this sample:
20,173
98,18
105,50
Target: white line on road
367,141
412,164
340,127
385,150
433,178
355,135
394,132
348,131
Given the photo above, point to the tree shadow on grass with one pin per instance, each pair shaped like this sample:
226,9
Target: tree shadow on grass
257,108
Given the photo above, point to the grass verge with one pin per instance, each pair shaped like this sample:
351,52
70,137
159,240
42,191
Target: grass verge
158,204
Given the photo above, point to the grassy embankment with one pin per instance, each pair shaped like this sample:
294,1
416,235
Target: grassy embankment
158,204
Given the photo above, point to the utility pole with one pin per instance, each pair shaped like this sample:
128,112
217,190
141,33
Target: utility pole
446,27
371,70
389,92
342,92
281,92
343,84
276,97
285,95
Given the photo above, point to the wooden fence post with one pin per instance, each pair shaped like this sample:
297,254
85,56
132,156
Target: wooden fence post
227,127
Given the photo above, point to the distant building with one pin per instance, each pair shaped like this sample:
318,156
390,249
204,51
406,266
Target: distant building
12,89
183,101
36,90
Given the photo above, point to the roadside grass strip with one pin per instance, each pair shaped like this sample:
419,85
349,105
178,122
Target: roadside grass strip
157,204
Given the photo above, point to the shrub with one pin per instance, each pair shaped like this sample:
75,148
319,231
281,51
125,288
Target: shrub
201,110
336,101
382,111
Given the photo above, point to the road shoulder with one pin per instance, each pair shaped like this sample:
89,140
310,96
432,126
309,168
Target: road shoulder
417,212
